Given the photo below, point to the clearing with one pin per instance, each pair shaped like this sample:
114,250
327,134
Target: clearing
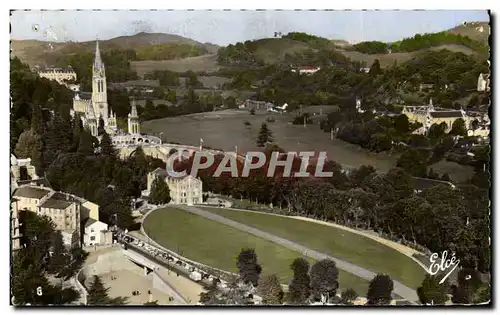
205,63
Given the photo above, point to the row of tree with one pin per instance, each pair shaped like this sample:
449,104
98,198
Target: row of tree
319,282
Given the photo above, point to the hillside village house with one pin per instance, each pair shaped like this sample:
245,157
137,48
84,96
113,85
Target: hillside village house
306,69
183,190
65,210
96,233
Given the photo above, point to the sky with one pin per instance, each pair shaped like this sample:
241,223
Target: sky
225,27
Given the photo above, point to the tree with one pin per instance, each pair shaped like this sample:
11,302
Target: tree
470,288
270,290
436,131
107,148
324,278
401,124
299,289
446,177
265,136
98,294
86,144
160,193
29,143
348,296
230,102
36,119
379,290
375,68
414,162
458,128
248,266
431,292
100,126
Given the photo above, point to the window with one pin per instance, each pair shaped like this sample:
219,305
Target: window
91,230
92,238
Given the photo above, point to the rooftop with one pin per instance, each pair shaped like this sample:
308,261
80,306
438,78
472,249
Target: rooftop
446,114
37,182
59,201
31,192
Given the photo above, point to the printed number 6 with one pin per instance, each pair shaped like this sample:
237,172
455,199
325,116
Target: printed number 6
39,291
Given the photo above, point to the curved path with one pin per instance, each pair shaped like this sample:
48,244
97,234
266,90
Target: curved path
399,288
403,249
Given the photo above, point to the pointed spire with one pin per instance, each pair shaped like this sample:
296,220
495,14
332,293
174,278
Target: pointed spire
97,61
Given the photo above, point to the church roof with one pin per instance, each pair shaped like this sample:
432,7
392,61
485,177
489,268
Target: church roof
85,95
446,114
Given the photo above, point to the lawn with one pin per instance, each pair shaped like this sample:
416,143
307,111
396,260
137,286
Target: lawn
226,129
342,244
217,245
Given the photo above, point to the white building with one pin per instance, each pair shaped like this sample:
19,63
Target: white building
58,74
96,233
183,190
306,70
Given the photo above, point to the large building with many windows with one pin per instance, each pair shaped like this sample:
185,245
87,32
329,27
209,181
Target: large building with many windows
183,190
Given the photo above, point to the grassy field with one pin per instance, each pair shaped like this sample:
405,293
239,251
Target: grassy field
207,63
225,130
218,245
351,247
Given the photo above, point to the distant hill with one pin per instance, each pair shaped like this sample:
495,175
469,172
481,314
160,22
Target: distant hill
478,31
267,50
42,53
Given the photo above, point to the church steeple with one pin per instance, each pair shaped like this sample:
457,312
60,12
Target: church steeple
99,87
98,64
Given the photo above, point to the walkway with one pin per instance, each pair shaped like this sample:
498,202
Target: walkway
399,288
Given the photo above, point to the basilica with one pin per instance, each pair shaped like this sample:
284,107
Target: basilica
92,108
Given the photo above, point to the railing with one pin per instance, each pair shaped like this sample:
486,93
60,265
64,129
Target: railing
221,274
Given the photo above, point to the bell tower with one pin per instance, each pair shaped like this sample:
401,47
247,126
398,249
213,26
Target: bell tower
99,87
133,120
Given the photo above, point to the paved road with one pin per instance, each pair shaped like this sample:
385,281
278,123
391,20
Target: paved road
399,288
